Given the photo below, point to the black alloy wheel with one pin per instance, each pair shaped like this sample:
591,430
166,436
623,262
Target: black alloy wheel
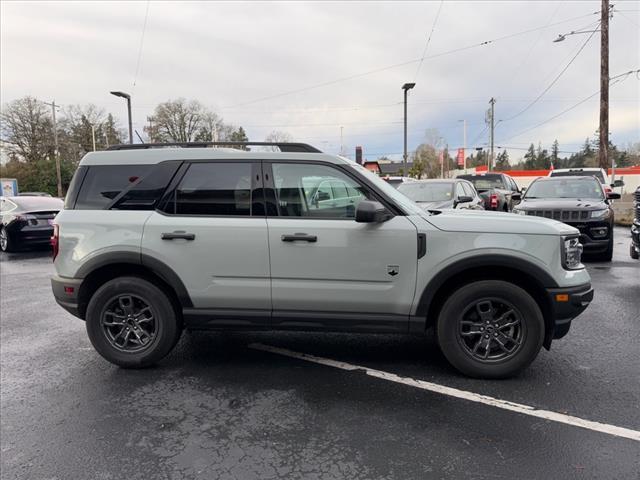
491,330
128,323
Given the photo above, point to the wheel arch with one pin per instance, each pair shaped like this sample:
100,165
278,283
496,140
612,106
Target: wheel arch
528,276
110,265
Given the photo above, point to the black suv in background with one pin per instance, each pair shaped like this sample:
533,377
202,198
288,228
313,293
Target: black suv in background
577,201
498,191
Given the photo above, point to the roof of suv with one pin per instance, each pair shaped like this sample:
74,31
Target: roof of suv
157,155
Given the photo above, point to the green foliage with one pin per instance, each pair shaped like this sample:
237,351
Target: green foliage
39,175
502,161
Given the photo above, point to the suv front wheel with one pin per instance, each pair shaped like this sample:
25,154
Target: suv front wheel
132,323
490,329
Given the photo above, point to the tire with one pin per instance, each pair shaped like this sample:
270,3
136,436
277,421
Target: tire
6,244
145,310
633,252
460,329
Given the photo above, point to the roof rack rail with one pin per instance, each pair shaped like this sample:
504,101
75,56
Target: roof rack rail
283,146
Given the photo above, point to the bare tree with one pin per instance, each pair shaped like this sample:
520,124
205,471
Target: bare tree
278,136
179,121
27,129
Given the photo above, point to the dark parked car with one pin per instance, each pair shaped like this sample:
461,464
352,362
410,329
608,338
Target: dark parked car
442,194
498,190
27,221
578,201
635,228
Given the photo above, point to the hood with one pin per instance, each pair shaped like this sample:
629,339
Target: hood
439,205
561,204
480,221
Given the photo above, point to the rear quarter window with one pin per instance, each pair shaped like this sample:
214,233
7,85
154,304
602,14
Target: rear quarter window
103,183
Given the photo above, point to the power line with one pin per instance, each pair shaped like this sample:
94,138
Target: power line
617,79
144,29
433,27
409,62
553,82
526,57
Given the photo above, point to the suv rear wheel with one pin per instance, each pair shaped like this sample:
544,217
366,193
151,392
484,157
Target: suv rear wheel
490,329
132,323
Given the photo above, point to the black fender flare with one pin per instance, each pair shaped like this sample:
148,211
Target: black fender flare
527,268
158,268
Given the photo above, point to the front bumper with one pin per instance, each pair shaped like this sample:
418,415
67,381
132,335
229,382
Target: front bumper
567,304
589,238
65,291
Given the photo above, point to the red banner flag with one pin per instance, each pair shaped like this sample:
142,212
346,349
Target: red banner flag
461,157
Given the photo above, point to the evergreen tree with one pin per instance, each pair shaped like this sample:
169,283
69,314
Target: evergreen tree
554,152
530,158
502,161
239,136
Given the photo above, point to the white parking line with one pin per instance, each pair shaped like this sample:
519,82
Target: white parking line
462,394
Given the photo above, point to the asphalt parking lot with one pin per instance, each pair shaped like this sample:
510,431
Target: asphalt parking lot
219,408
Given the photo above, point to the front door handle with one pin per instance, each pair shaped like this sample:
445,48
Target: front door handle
178,235
299,237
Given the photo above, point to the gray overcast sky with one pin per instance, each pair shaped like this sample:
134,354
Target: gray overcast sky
229,54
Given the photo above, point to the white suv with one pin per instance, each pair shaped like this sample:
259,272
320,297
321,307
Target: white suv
154,240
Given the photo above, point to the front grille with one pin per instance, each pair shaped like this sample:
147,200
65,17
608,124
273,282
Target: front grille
561,215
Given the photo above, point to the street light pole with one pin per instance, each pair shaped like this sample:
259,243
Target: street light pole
406,87
128,98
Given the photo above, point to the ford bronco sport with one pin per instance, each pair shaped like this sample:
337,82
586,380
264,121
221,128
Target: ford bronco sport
155,240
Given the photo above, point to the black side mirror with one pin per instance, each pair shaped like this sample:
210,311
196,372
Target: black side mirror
516,196
617,183
369,211
463,199
613,196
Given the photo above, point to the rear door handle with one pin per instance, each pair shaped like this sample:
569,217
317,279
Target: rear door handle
299,237
178,235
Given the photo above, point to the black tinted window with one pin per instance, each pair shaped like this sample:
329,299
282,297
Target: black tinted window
145,193
103,183
214,189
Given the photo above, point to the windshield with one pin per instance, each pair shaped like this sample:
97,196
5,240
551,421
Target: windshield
484,182
427,191
580,173
402,200
565,188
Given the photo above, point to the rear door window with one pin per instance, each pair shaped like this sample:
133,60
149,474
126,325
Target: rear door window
213,189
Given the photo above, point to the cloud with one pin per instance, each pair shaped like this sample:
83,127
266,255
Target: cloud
226,54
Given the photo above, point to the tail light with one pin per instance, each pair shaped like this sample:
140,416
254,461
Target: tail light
55,240
493,200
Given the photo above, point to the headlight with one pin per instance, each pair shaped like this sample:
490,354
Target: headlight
571,253
519,211
600,213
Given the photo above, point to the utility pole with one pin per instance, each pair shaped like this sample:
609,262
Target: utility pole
93,137
603,153
55,143
493,125
341,141
150,120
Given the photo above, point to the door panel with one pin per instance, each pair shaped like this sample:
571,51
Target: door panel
208,235
338,265
349,268
225,266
